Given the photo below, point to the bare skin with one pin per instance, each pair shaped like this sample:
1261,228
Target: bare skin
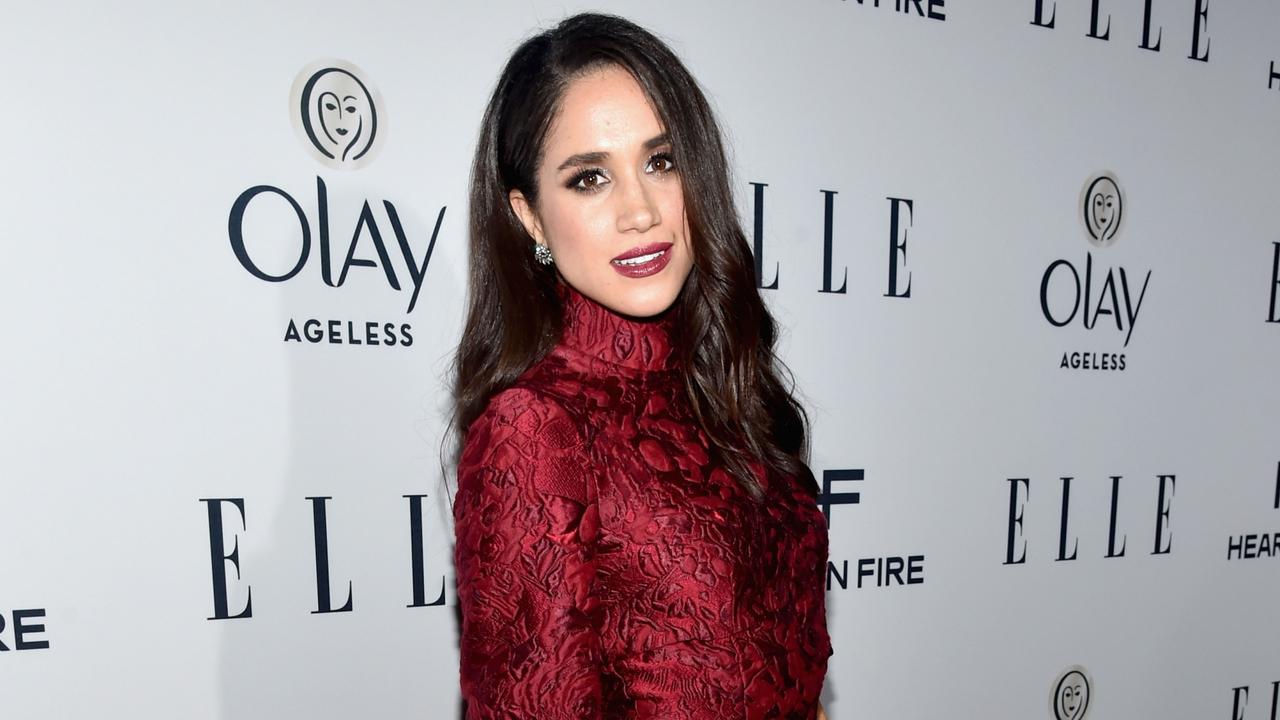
589,212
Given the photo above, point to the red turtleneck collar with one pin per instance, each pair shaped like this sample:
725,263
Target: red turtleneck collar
602,334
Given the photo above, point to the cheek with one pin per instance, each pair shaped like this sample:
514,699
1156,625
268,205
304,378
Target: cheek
672,209
574,226
686,233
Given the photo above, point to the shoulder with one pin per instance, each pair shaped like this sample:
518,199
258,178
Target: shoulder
522,414
527,436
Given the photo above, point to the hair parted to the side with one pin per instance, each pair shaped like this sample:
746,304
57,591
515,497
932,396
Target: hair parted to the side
724,333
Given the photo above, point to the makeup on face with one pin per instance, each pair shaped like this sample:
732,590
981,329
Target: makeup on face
643,260
613,196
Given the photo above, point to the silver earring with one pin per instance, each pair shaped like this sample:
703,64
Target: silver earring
542,253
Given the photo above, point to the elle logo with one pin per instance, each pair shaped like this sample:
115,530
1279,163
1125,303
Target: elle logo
1240,701
901,214
219,557
1046,13
1020,490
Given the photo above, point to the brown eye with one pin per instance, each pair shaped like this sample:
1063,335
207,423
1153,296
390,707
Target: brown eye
664,159
579,182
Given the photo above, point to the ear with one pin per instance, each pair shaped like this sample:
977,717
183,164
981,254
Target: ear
523,210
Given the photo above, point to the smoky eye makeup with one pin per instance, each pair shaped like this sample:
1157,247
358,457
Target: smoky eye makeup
575,181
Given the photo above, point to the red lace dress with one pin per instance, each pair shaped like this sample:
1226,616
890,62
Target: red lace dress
608,568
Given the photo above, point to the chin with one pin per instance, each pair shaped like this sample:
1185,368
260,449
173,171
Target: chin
643,304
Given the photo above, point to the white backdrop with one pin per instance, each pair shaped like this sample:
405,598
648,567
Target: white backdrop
147,375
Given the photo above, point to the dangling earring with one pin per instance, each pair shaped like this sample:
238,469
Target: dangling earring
542,253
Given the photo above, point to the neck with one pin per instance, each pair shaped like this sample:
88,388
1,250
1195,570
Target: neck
639,344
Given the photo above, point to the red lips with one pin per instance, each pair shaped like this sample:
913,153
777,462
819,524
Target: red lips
644,250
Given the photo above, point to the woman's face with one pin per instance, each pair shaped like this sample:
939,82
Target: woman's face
607,184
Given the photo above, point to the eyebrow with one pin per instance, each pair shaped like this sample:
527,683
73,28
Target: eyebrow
592,158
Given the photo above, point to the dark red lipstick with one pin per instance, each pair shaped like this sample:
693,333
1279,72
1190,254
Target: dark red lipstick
627,263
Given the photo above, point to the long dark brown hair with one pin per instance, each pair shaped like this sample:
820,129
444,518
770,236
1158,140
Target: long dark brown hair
724,333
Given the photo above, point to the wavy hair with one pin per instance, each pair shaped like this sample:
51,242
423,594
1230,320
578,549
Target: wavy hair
724,334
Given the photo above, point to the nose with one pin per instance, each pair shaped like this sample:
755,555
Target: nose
636,208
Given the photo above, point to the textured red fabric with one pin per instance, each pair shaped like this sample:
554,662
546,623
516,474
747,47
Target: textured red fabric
607,567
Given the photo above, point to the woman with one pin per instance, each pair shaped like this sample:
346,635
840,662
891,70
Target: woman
636,533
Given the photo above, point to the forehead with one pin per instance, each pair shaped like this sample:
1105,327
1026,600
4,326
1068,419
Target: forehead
604,110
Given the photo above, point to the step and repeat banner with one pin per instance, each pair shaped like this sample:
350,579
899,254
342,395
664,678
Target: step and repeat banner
1025,255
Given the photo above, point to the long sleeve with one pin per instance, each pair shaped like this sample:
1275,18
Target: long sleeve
525,524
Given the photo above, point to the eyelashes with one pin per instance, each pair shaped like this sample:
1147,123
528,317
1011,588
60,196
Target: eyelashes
575,183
